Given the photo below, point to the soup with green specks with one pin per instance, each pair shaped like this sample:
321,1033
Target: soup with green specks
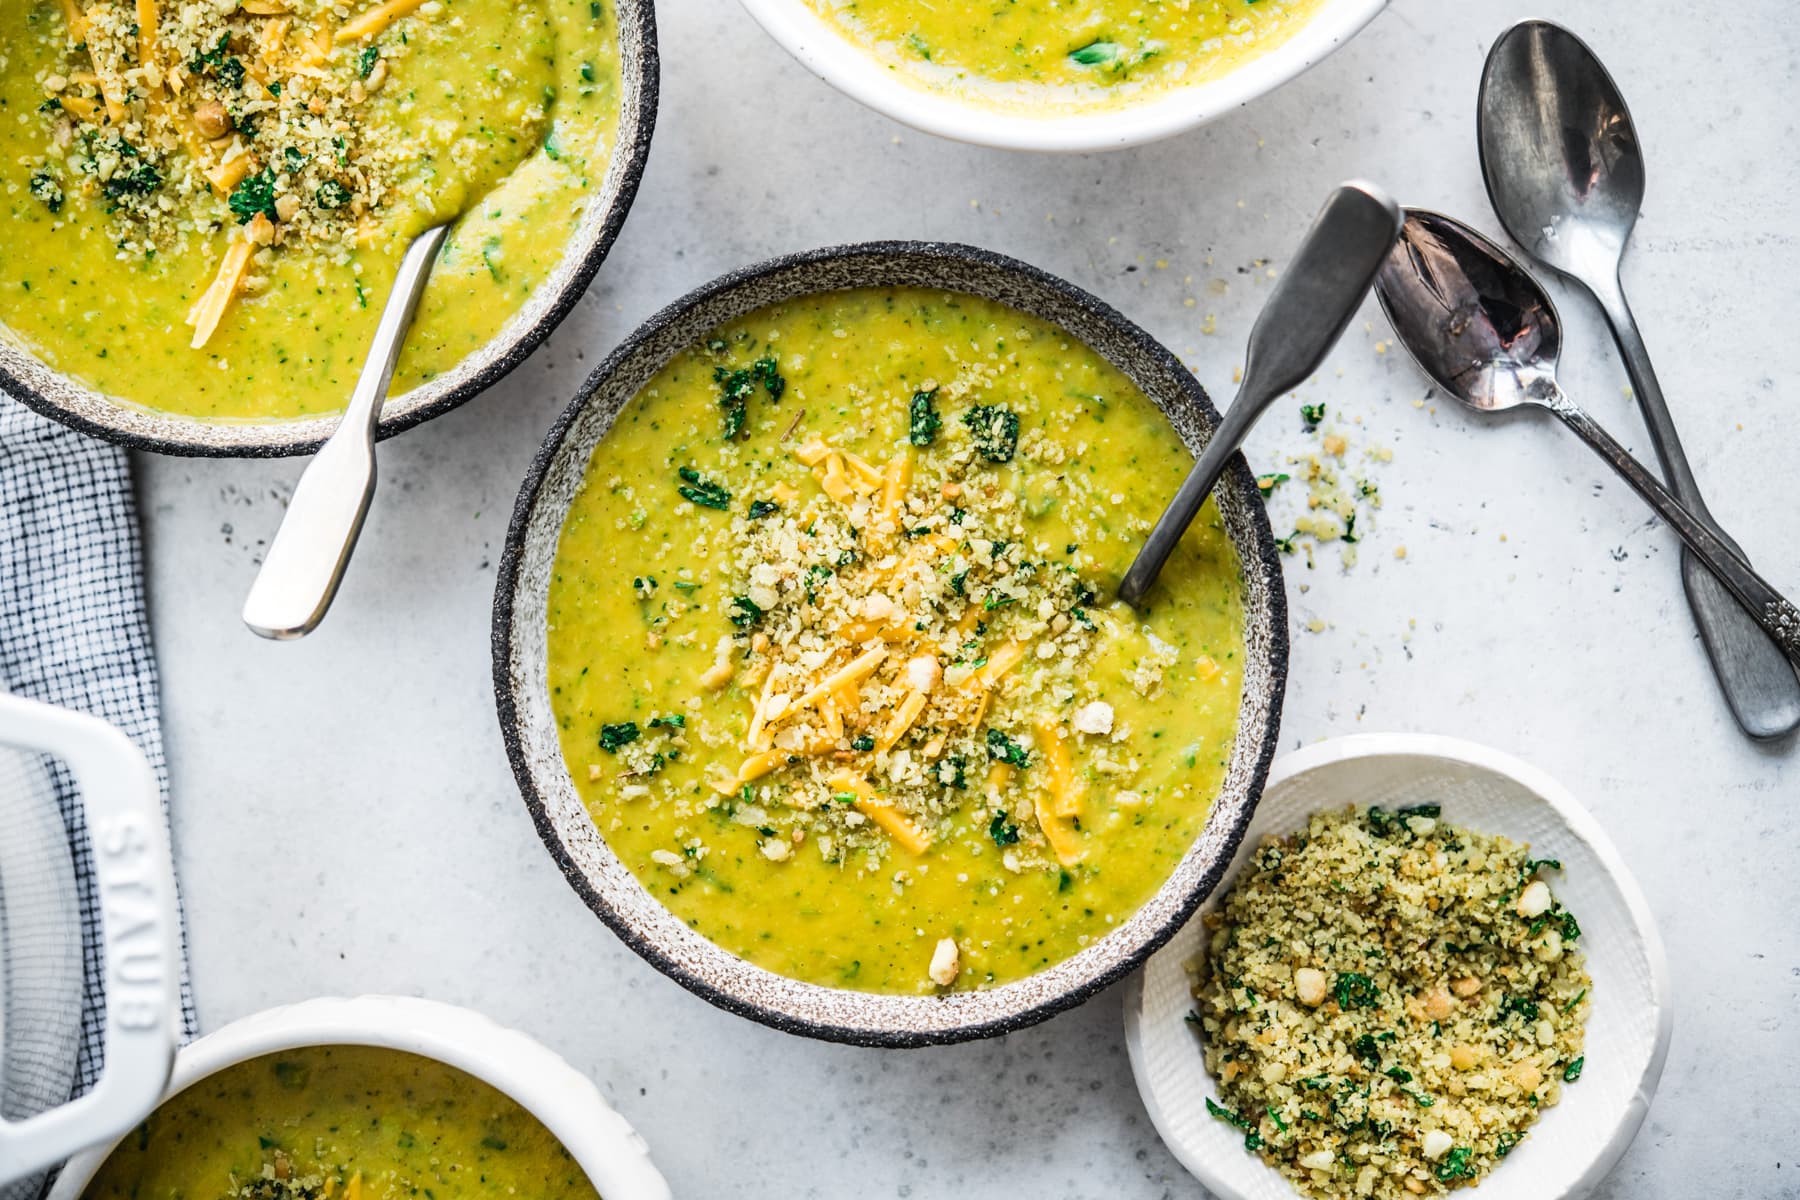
833,656
1058,55
207,202
339,1123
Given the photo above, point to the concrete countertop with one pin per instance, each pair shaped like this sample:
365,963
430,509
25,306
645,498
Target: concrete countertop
345,818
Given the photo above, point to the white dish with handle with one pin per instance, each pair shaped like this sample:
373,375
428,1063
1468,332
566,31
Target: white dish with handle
1573,1145
601,1141
42,935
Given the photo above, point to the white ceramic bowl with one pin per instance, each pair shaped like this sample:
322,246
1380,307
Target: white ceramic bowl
843,64
1572,1146
608,1149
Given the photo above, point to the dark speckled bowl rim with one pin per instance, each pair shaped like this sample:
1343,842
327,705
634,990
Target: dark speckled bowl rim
952,258
637,122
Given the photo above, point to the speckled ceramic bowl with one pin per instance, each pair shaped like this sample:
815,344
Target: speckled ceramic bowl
55,395
529,725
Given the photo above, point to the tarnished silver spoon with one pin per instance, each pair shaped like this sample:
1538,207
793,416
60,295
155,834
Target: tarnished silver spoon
1487,334
1566,176
1306,313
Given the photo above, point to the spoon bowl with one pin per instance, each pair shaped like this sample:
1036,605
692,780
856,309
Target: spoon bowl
1472,316
1575,176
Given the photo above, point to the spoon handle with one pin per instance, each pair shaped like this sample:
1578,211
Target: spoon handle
1311,303
305,563
1769,608
1759,684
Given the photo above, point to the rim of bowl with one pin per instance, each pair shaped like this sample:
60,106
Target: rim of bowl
58,396
840,1014
609,1151
827,53
1582,823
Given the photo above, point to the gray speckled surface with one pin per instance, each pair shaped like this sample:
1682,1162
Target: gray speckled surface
346,820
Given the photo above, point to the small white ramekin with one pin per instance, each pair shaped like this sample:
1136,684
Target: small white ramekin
608,1149
857,73
1573,1145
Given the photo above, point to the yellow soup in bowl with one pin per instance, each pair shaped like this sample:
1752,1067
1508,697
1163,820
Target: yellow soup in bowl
832,655
1064,54
339,1123
207,202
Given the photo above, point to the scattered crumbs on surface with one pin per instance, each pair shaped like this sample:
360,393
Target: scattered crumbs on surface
1335,494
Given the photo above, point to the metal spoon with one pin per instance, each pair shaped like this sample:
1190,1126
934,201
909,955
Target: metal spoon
1306,313
1566,176
305,563
1487,334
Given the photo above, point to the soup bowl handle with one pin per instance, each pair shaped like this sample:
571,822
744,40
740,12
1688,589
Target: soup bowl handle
134,889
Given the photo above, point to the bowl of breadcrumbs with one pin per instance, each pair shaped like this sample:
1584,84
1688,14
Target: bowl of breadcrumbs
1427,970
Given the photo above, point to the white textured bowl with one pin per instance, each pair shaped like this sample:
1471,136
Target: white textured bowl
608,1149
850,69
1572,1146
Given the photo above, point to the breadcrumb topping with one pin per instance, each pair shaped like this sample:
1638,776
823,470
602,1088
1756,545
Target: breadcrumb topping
1389,1002
218,112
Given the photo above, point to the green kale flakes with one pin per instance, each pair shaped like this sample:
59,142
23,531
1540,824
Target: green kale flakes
1003,749
256,194
46,189
923,421
995,430
622,733
697,489
744,612
737,386
332,194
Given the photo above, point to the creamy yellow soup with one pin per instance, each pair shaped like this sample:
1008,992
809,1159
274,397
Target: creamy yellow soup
342,131
834,656
1061,54
340,1122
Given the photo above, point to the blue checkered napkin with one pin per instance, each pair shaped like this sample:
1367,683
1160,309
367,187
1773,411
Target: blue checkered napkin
73,631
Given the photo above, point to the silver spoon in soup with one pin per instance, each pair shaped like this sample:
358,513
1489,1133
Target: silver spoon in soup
305,563
1312,302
